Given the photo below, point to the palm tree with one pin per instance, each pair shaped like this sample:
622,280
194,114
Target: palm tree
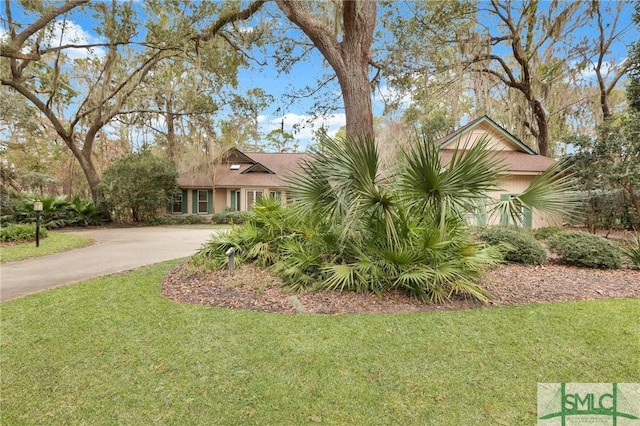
356,227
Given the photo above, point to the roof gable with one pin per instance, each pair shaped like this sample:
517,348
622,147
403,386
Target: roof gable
258,167
235,156
500,138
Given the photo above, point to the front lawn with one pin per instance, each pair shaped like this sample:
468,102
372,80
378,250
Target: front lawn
56,242
114,351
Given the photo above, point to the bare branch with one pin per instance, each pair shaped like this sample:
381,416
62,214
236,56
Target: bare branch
510,80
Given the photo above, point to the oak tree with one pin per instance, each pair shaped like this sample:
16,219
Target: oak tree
347,49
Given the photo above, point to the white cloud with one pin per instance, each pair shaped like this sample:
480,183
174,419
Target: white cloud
385,94
588,74
68,32
304,126
63,33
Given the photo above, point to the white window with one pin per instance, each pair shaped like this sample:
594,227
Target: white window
203,201
276,195
235,200
176,206
253,195
235,167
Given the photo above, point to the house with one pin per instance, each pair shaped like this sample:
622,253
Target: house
242,178
522,163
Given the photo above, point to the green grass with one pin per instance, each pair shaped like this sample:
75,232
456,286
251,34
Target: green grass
114,351
56,242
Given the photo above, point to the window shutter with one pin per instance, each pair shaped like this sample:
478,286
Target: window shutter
194,201
504,217
185,206
210,201
481,217
528,217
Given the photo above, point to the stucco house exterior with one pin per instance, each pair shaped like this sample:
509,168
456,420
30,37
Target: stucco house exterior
241,178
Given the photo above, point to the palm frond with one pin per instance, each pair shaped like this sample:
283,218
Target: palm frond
551,192
343,277
426,185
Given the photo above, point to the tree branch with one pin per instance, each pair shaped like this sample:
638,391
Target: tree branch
12,50
299,13
213,30
510,80
15,84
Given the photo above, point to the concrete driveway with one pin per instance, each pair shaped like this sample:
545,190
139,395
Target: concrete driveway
115,250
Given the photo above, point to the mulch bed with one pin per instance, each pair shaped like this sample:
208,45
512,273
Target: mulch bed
256,289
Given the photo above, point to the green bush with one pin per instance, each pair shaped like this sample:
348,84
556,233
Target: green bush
582,249
518,246
229,216
21,232
169,219
139,185
632,251
192,219
545,232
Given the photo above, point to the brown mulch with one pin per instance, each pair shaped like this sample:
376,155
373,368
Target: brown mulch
255,289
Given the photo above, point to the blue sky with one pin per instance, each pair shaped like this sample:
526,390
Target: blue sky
295,116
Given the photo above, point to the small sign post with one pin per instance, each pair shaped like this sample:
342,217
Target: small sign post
230,254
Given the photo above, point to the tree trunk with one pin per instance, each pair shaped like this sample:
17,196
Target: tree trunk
634,198
89,170
349,58
542,136
356,93
604,102
171,131
359,20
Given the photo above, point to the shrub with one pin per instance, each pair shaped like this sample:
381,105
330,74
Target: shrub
518,246
21,232
582,249
632,251
229,216
169,219
608,209
139,185
192,219
57,211
545,232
